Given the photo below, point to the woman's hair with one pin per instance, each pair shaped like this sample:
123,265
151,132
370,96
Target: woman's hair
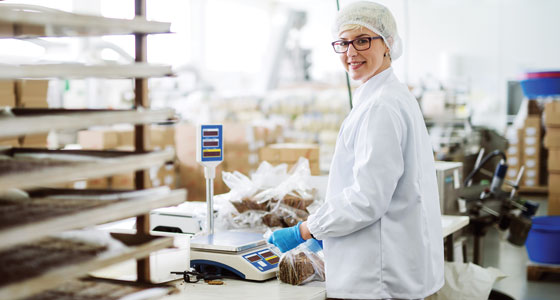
347,27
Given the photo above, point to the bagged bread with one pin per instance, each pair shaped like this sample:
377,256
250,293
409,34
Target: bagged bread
302,265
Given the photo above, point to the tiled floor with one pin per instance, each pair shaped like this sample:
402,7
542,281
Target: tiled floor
512,260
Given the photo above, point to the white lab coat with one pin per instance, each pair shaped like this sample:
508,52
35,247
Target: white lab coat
381,222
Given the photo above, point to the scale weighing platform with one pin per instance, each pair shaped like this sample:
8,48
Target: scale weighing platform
243,254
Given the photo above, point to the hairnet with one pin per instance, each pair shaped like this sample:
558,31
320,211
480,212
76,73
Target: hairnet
374,17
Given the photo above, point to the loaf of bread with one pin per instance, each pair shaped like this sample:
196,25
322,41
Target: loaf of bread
32,259
298,267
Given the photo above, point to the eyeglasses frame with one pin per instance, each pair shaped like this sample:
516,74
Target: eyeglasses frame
351,42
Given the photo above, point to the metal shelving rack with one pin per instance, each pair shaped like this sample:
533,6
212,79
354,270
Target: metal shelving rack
98,163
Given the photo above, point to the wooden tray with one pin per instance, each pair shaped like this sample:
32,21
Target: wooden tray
97,288
33,120
106,163
140,246
88,216
78,71
42,22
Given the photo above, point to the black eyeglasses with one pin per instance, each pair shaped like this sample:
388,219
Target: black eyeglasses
360,44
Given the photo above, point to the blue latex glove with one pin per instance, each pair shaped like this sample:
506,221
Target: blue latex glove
287,238
314,245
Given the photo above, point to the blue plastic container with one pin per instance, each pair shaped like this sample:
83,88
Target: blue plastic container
541,87
543,242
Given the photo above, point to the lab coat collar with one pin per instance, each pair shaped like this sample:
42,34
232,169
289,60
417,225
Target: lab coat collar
371,86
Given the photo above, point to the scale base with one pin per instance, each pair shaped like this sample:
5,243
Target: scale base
257,264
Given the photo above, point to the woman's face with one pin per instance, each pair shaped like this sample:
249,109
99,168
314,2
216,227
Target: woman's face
362,65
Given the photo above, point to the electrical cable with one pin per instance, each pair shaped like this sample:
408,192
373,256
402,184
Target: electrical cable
347,77
482,162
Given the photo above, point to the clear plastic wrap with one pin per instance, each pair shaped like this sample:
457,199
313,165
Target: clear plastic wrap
272,197
302,264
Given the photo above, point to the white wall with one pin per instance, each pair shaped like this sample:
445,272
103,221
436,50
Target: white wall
486,41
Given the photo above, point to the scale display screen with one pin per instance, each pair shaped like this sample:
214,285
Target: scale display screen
273,260
211,143
266,254
253,258
210,132
263,260
211,153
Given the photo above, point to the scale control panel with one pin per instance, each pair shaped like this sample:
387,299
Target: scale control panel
210,144
263,259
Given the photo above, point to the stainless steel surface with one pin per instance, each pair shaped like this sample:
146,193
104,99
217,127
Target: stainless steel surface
210,206
228,241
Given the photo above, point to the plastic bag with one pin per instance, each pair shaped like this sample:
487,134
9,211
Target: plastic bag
272,197
467,282
302,264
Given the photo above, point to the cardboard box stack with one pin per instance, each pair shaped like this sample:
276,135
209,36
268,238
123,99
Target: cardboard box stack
7,93
159,137
290,153
34,140
32,93
532,137
6,29
552,143
7,98
514,153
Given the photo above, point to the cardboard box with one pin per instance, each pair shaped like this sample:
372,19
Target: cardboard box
31,93
29,30
125,181
7,87
98,139
9,142
554,204
98,183
8,100
289,152
552,138
554,160
162,137
192,178
531,177
35,140
512,172
125,138
6,29
7,93
167,175
31,88
552,114
554,183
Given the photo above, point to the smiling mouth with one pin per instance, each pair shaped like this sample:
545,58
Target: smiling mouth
355,65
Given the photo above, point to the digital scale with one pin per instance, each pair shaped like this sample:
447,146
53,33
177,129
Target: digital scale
229,253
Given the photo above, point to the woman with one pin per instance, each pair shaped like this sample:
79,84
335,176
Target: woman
381,223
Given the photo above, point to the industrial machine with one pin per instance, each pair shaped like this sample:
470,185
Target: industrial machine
213,255
489,205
